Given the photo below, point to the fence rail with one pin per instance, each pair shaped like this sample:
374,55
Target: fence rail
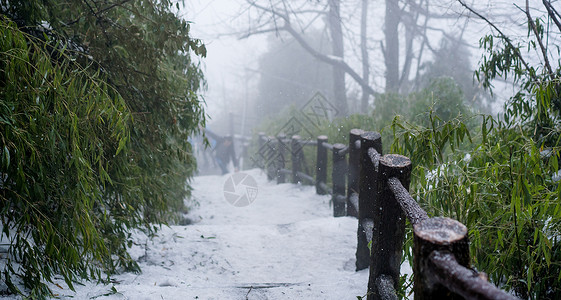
374,188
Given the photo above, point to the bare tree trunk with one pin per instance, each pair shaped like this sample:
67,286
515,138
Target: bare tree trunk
339,89
403,80
391,52
411,27
364,53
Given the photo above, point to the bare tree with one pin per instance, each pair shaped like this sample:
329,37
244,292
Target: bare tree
391,50
405,27
339,88
285,17
364,54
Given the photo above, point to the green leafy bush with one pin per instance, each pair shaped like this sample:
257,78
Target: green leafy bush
97,104
63,131
503,187
501,179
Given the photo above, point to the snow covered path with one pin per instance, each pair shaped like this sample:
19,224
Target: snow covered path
285,245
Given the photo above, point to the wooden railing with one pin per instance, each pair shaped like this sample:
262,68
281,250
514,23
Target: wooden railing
374,188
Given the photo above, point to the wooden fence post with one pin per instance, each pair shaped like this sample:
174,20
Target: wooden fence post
280,164
270,160
296,149
261,143
367,193
440,234
389,223
243,155
353,170
321,165
338,177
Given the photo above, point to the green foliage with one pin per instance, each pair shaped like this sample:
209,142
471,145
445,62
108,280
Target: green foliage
440,104
443,98
536,105
453,60
502,188
389,105
338,130
429,145
437,104
98,101
63,131
143,49
501,179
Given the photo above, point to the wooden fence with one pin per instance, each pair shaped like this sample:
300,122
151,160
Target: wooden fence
374,188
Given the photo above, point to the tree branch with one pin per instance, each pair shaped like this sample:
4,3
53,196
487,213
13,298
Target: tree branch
538,37
451,37
254,32
112,6
270,10
99,12
503,36
410,22
334,61
425,11
364,54
337,62
552,13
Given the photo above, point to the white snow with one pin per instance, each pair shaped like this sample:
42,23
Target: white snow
285,245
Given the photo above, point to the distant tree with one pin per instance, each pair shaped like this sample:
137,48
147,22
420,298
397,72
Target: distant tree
365,95
453,59
295,19
402,50
290,75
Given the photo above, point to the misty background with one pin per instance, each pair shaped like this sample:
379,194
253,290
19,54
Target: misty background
256,67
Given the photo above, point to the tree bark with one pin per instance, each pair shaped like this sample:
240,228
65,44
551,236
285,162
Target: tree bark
339,88
367,194
321,165
437,234
389,223
353,171
391,53
364,54
339,178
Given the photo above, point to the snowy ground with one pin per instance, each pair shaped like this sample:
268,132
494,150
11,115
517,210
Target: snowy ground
285,245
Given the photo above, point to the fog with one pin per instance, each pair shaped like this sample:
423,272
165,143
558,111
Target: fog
228,62
251,77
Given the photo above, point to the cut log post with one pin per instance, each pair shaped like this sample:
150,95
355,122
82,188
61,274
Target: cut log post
280,158
385,288
367,193
437,234
389,223
321,165
353,170
270,159
338,177
296,148
244,155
